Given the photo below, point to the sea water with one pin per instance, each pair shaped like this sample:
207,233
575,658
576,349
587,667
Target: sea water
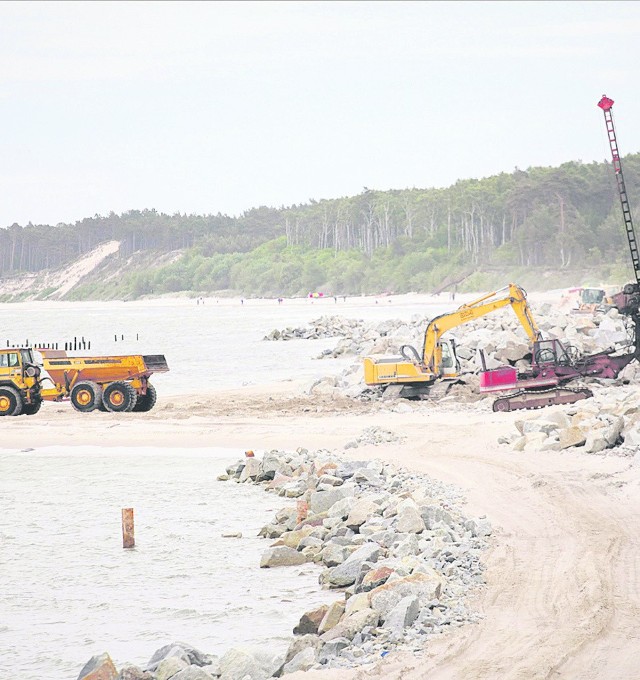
218,343
69,589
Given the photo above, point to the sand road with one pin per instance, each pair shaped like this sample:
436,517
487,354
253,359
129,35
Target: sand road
562,598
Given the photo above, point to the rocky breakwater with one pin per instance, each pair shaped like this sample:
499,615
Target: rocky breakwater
499,335
393,548
394,543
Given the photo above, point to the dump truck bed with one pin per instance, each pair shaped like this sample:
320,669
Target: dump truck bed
65,369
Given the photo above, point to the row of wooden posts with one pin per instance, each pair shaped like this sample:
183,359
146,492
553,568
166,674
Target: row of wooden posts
78,343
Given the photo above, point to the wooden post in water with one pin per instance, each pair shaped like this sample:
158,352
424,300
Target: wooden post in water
128,539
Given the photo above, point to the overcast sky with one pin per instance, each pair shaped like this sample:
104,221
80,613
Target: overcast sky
222,106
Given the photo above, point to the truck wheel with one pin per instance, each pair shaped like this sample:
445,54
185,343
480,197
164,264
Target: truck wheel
10,402
119,397
85,396
31,409
146,402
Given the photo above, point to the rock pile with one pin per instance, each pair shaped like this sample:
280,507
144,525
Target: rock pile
607,424
324,327
500,336
374,436
393,544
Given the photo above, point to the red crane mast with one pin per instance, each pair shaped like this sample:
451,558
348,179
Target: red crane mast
627,301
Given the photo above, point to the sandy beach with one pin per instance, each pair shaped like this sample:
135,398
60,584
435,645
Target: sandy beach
562,593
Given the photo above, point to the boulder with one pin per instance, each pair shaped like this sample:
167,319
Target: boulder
190,655
332,617
332,649
425,586
310,621
168,667
292,539
360,512
571,436
239,662
300,643
478,527
251,470
281,556
99,667
302,661
374,578
409,520
357,603
346,573
131,672
350,625
403,614
321,501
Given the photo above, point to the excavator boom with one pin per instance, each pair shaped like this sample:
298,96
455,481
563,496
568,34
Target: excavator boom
415,374
515,297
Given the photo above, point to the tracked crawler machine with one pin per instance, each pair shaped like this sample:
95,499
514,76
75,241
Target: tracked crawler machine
413,375
553,364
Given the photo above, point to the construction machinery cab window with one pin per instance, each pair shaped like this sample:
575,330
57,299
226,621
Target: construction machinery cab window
592,296
447,357
9,360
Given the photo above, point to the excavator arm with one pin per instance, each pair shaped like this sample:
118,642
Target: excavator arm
413,371
515,297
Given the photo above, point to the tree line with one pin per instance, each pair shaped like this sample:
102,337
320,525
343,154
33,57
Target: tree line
557,217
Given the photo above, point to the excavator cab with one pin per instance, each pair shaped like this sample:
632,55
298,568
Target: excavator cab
450,363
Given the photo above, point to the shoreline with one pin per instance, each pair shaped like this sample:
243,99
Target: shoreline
560,563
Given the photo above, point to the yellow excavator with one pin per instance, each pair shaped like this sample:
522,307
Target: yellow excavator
412,375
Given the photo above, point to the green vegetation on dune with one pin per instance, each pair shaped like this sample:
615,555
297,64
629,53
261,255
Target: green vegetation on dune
544,228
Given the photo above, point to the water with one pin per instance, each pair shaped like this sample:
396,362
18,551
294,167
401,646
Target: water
69,590
215,345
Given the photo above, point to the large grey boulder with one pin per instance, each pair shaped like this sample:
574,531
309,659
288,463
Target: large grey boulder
168,667
190,655
321,501
350,625
425,586
403,614
281,556
302,661
346,573
131,672
239,662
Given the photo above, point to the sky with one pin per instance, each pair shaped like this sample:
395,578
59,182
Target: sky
210,107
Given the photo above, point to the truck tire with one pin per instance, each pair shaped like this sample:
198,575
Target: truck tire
146,402
10,402
31,409
119,397
85,396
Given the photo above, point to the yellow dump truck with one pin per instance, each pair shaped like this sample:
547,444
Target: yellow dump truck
107,383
